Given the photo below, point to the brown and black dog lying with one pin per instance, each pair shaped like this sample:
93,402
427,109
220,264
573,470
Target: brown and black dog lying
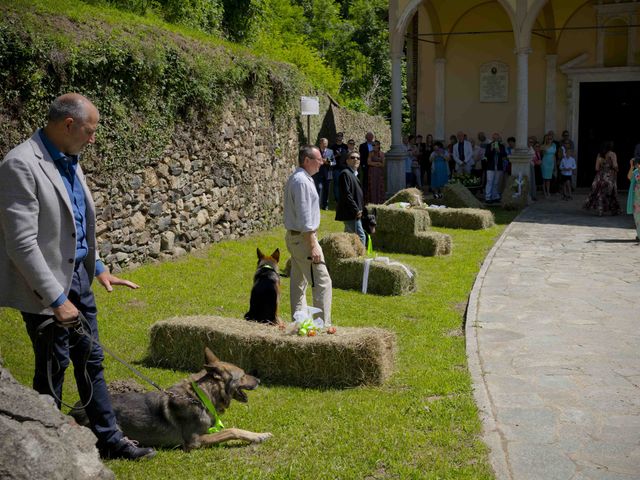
176,417
265,293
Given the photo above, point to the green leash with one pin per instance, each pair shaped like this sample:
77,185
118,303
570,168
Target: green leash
217,426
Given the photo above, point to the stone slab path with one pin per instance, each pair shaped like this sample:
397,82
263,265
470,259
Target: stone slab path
553,344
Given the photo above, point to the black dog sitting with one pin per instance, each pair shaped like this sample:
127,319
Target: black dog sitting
265,294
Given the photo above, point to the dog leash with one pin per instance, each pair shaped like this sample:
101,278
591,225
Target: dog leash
82,328
313,283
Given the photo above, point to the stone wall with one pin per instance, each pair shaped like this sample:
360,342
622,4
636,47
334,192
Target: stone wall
204,188
333,118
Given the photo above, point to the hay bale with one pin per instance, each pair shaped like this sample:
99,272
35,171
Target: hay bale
339,246
465,218
383,279
405,230
510,198
350,357
456,195
400,221
344,255
427,243
412,196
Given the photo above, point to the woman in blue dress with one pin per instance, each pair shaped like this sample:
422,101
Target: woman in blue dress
548,164
439,169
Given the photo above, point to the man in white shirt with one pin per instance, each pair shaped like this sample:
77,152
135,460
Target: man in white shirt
302,219
463,154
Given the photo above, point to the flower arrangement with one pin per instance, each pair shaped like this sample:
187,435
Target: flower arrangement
466,179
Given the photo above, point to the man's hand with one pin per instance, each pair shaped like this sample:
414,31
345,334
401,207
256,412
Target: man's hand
66,314
108,281
316,253
359,215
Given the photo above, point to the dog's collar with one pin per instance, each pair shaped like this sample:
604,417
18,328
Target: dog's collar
267,266
206,402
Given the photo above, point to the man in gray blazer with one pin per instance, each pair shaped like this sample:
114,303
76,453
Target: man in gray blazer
48,259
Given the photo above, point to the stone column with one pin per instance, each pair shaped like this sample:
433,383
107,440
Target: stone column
520,159
439,133
394,158
550,112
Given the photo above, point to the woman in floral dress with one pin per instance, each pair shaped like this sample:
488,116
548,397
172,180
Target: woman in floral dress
604,189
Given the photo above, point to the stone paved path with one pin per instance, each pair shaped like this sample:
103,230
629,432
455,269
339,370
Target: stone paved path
553,342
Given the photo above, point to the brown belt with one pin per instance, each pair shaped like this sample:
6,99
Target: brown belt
294,232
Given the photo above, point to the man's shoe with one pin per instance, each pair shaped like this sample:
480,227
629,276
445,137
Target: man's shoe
127,450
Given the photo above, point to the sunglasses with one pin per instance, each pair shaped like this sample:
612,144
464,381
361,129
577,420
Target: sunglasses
355,156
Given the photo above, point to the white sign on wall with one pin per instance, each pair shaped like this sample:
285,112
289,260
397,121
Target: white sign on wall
494,82
310,105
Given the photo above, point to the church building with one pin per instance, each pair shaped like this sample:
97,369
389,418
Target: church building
520,68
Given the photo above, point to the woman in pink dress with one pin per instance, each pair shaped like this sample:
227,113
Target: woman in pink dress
376,188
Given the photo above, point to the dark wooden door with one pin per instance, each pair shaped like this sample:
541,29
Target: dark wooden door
609,111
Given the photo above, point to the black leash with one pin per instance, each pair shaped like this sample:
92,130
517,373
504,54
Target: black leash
82,328
313,283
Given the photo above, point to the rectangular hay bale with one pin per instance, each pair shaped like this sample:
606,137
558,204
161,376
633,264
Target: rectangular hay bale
456,195
402,221
383,279
350,357
464,218
428,244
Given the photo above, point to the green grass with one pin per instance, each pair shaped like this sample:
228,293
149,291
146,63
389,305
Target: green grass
421,424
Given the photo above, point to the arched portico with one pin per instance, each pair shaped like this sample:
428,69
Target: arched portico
536,39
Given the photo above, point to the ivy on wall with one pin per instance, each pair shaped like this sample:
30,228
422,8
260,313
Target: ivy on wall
147,82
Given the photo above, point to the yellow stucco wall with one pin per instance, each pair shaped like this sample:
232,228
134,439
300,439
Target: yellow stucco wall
465,55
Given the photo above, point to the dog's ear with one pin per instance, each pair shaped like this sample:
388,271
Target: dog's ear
209,357
276,255
260,254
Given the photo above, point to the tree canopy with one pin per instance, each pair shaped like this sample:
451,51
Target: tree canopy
340,45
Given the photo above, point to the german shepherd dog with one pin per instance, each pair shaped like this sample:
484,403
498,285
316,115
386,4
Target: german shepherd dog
265,293
176,416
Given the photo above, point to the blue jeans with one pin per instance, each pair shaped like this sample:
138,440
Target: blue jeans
355,226
69,345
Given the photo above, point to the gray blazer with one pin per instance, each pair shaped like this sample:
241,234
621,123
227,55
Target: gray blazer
37,229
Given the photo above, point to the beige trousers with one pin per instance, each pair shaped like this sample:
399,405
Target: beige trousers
301,268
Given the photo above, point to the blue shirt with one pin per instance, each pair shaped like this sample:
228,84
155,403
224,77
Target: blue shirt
67,165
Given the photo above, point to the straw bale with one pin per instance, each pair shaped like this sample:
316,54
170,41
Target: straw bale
511,202
412,196
338,246
401,221
456,195
383,279
350,357
426,243
344,255
466,218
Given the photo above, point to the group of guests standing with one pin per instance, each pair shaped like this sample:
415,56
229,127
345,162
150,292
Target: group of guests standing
335,161
430,164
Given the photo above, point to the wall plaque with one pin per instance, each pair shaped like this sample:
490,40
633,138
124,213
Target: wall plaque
494,82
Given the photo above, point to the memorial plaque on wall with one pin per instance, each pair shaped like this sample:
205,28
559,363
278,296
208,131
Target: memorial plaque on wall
494,82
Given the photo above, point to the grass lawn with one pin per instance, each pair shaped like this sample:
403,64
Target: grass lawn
422,423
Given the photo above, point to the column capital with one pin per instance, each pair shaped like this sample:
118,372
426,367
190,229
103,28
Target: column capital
551,56
523,51
440,60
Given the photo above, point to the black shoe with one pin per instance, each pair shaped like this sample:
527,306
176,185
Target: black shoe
127,450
